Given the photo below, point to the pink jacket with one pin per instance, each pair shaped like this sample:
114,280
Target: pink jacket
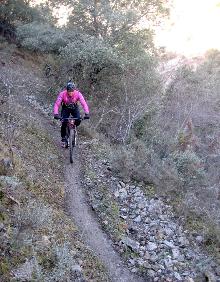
63,97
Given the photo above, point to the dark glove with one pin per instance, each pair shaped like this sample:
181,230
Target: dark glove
86,116
56,116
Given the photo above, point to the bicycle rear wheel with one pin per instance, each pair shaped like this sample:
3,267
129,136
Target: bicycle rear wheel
72,143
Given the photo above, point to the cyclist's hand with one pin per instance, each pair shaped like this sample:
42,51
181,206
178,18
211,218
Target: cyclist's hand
56,116
86,116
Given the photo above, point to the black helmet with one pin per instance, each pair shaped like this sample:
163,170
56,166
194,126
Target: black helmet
70,86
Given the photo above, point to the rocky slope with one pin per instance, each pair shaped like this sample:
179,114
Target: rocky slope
143,226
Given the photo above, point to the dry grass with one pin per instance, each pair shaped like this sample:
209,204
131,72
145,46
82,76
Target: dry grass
177,148
32,218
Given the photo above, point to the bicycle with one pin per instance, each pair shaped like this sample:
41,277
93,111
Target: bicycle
71,134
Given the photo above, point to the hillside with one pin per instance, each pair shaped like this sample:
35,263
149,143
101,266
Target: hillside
44,232
39,241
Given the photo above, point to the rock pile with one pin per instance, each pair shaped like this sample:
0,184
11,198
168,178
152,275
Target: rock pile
154,243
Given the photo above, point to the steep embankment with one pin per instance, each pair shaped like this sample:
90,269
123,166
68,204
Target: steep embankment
38,241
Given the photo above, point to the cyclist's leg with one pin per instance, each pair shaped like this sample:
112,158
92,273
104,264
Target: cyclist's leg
65,113
76,114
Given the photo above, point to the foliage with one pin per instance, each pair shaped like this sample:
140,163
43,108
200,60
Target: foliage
110,19
89,56
13,11
41,37
189,166
182,137
107,55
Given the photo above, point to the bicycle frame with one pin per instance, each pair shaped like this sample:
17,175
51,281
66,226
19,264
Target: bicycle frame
71,134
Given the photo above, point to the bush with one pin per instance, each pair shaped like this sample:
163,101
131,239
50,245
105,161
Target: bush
58,265
189,167
34,215
41,37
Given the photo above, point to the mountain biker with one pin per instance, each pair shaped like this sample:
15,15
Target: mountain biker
68,98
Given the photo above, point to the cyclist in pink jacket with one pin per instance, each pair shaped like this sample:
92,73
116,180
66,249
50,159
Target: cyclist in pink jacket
68,99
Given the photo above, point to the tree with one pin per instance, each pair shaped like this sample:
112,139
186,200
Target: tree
112,59
16,12
111,18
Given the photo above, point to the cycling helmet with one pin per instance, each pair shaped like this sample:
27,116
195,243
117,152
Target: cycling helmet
70,86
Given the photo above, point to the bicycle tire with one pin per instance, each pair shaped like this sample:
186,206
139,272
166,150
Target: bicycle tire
71,143
75,137
67,136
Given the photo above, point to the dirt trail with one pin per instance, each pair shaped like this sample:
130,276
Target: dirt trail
89,227
76,203
85,219
83,216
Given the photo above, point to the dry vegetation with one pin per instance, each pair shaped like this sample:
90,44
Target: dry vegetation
38,240
177,147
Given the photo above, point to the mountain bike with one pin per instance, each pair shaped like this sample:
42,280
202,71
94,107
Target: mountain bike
71,135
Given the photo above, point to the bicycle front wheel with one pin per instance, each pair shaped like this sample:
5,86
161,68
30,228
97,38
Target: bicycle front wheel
71,143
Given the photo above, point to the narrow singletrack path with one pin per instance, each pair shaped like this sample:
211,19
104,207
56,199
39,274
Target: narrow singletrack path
91,232
85,219
77,206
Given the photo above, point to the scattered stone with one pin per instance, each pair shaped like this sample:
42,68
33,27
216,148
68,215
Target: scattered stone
138,219
169,244
124,209
134,270
199,239
175,253
151,246
189,279
132,230
140,261
168,262
168,231
177,276
153,258
123,216
131,261
183,241
134,245
151,273
123,193
146,255
122,184
76,268
2,227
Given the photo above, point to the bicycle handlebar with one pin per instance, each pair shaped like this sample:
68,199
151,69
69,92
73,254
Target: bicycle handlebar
71,118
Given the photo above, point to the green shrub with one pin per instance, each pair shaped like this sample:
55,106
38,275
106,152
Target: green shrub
41,37
189,166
